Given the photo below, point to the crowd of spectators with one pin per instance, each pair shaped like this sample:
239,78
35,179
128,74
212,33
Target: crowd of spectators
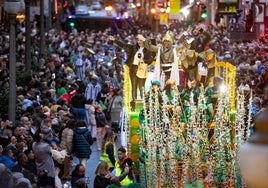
80,69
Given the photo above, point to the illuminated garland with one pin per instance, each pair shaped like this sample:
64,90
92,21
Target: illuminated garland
195,151
126,88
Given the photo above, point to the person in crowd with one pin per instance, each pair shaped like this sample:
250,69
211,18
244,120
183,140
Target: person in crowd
66,140
255,106
30,164
101,96
7,158
114,103
5,132
78,105
6,177
77,174
82,141
19,133
125,161
22,161
92,89
104,177
108,149
102,124
136,56
91,118
44,180
43,155
61,87
82,65
48,132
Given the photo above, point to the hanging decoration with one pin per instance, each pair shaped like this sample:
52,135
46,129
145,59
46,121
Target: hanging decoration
193,141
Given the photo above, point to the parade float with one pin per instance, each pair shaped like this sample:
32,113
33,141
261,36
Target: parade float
183,143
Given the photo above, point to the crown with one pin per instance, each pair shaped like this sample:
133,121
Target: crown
169,36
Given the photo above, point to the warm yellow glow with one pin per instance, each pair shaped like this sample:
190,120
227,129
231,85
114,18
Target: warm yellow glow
20,17
108,8
153,10
162,10
168,10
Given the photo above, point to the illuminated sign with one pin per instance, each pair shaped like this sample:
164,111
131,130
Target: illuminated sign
227,6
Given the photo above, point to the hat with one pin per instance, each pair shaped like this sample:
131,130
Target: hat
170,82
168,36
26,104
156,82
95,77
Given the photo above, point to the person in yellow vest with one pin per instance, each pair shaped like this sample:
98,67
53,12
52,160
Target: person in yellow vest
108,149
125,161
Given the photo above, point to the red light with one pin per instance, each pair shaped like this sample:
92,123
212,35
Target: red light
65,4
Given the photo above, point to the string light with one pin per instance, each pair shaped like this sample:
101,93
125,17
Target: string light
199,150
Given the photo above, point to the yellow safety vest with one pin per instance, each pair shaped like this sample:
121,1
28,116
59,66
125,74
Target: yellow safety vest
104,156
118,171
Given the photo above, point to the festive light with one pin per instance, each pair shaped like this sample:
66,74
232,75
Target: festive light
181,146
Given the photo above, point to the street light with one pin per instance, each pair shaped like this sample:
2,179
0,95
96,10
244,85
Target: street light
12,7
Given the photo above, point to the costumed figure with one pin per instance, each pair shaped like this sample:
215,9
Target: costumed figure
154,93
170,91
209,57
201,38
191,91
166,65
189,63
212,93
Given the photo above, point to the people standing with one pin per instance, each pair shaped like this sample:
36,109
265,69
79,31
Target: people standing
102,124
125,161
90,108
92,89
108,149
136,55
78,105
82,141
104,177
82,64
66,140
79,173
166,66
43,155
114,103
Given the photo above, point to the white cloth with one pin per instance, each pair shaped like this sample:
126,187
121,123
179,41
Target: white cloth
202,70
174,75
